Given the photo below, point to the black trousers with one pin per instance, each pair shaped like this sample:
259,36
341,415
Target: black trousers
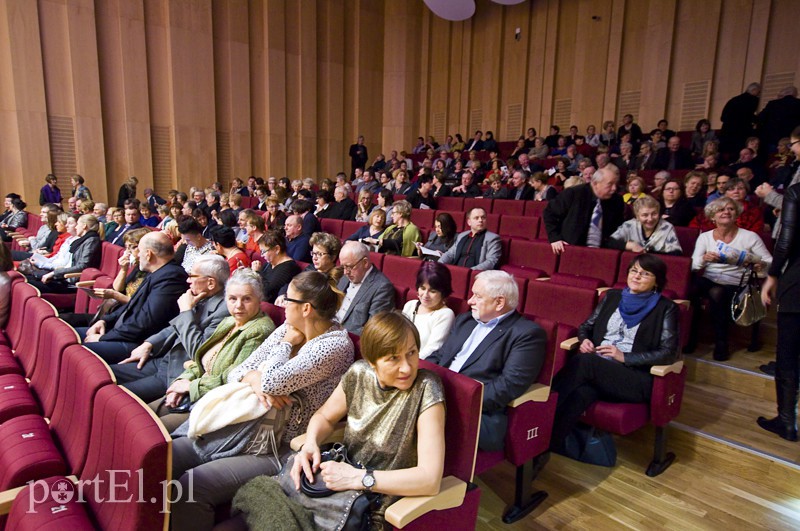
587,378
720,297
787,361
148,383
54,286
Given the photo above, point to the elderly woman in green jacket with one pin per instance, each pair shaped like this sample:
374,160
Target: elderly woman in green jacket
232,342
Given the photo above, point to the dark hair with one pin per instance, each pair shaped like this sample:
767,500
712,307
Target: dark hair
437,276
223,236
302,193
557,128
228,218
132,201
18,203
189,226
701,123
319,290
426,178
273,238
387,195
12,195
197,212
459,138
300,206
448,225
652,264
326,195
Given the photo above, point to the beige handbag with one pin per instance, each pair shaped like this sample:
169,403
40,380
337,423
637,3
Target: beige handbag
746,307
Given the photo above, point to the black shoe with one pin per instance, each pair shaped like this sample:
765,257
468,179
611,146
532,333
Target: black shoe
778,427
768,368
721,352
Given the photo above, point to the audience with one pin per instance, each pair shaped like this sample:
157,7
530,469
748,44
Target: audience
443,235
367,290
324,252
194,245
130,221
6,265
476,248
224,241
280,268
674,207
401,237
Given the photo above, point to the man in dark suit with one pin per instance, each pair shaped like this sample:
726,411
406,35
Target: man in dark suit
114,336
358,156
738,117
367,291
344,208
153,199
587,214
673,157
160,358
131,222
310,223
779,117
476,144
521,190
495,345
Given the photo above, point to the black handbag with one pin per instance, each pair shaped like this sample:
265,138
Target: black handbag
358,519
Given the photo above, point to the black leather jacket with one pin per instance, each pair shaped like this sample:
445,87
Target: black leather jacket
86,252
785,263
656,341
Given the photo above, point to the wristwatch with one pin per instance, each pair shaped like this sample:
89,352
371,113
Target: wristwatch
368,481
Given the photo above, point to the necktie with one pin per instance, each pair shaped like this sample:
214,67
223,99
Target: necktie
596,227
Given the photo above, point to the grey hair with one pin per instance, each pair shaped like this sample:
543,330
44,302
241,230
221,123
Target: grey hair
663,173
247,277
102,206
718,204
599,174
357,249
214,266
753,86
501,284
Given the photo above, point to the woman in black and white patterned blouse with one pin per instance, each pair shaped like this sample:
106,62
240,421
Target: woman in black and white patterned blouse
305,357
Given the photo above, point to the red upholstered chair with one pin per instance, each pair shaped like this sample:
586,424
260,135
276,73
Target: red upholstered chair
587,267
535,208
530,260
377,259
458,306
21,293
332,226
508,207
530,425
687,236
450,203
564,304
102,282
482,202
459,217
126,441
423,218
456,505
88,279
400,293
401,271
461,280
351,227
32,449
493,223
109,261
356,345
27,311
519,227
276,313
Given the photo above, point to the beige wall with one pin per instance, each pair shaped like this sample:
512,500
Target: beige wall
182,92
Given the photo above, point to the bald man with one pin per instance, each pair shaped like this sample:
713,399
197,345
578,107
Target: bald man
153,305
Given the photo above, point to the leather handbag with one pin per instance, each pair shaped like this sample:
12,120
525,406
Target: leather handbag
746,306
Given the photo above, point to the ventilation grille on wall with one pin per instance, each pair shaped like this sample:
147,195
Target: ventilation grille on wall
62,150
562,110
475,121
629,104
695,103
513,121
161,140
224,157
773,84
438,126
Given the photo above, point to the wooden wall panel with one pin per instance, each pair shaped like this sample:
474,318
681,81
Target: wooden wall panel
331,84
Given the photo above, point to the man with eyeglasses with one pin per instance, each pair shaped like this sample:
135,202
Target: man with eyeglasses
153,365
367,290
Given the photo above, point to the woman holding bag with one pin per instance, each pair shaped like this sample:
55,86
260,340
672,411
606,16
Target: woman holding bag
305,357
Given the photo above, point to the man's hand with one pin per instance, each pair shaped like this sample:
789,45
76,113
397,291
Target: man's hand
97,329
140,354
559,246
188,300
768,290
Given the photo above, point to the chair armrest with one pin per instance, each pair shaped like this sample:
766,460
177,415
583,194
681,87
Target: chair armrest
86,283
663,370
535,393
404,511
543,279
683,302
602,290
72,275
7,497
18,236
570,344
336,436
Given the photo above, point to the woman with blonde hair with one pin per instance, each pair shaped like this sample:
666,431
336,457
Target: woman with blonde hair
402,235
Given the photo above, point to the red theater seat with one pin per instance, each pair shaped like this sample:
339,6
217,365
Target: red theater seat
587,267
450,203
530,260
508,207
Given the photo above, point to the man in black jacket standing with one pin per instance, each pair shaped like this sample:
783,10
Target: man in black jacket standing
358,156
738,117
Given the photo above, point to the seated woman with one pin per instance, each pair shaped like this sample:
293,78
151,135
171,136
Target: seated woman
255,227
444,234
440,188
751,215
194,243
384,389
630,331
376,226
84,251
385,200
674,207
148,215
45,237
636,188
325,203
693,187
324,253
647,231
364,206
280,268
400,185
716,258
224,240
430,315
496,189
401,236
305,357
16,219
542,190
236,337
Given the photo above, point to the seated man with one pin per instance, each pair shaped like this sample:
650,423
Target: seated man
495,345
297,242
476,248
673,157
367,290
586,214
467,188
368,182
521,190
160,357
344,208
115,335
131,223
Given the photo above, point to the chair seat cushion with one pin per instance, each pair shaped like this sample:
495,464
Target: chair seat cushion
578,281
29,452
50,514
8,362
523,271
16,398
621,419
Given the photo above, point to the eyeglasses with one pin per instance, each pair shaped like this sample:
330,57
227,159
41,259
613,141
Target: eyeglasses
672,189
640,273
315,254
793,143
352,266
298,301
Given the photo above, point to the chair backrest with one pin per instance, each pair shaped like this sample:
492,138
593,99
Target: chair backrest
564,304
351,227
109,261
535,208
460,280
464,402
687,236
450,203
276,313
83,373
21,293
332,226
483,202
102,282
56,336
532,254
37,311
508,207
129,442
82,299
423,217
401,271
400,293
493,223
601,264
459,216
520,227
377,259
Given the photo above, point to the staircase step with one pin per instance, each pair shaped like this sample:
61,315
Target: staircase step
727,375
730,416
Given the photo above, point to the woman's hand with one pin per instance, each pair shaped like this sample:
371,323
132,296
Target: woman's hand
341,476
256,266
48,277
711,257
586,347
768,290
105,293
253,379
176,391
293,336
610,351
278,401
305,462
633,246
